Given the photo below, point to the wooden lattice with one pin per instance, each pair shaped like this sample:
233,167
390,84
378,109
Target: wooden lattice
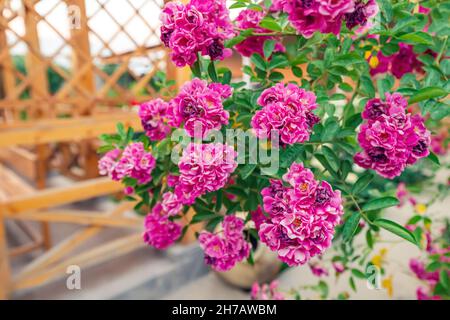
77,59
70,57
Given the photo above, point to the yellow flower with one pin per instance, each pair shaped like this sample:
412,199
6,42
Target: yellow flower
367,54
374,62
420,208
387,284
377,260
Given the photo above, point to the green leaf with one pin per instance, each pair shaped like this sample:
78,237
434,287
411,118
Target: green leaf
350,226
323,160
250,258
212,72
270,24
276,76
330,130
443,279
252,202
369,239
434,158
418,37
290,154
278,61
323,289
332,158
203,216
259,62
219,200
427,93
121,130
298,72
105,148
247,170
351,281
238,5
196,70
234,41
362,183
396,229
380,203
439,111
433,266
348,59
269,45
414,219
386,9
367,86
237,191
358,274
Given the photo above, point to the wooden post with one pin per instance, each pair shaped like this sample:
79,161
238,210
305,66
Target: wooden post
6,69
81,51
5,273
37,69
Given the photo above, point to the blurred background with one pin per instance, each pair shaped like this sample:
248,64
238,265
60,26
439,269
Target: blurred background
69,71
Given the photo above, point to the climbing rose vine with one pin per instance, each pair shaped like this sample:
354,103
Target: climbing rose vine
339,112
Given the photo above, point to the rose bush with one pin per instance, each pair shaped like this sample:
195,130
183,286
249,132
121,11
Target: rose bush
350,94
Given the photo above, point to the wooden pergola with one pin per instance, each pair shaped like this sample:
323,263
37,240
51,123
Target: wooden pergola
45,128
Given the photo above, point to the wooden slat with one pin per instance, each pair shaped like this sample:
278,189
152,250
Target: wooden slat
58,196
25,248
46,134
63,248
78,217
36,68
101,115
94,256
21,160
12,185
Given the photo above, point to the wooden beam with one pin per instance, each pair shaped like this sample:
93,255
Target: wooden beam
5,272
78,217
82,51
20,160
63,248
36,68
53,197
60,133
25,248
6,66
94,256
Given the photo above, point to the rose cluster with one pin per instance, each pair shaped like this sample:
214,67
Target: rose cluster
160,232
134,162
200,27
288,110
326,16
203,168
250,19
199,107
303,216
390,138
226,248
154,120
